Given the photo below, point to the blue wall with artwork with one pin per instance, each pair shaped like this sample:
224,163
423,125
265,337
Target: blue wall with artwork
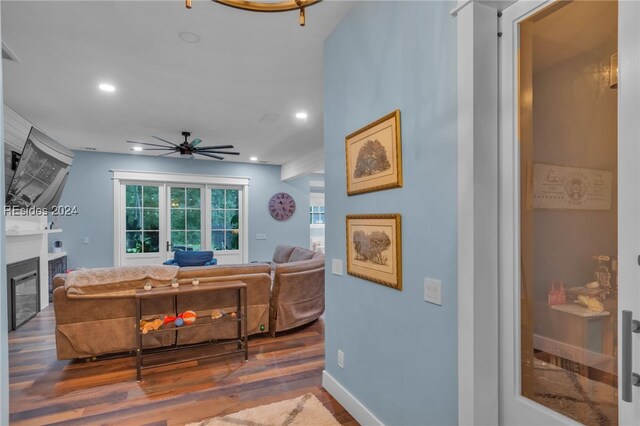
90,188
400,351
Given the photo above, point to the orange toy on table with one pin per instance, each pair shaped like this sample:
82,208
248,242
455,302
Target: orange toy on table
187,317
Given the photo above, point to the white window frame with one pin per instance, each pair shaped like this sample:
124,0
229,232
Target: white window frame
121,177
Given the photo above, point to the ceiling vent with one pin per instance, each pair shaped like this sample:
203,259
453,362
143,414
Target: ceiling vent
8,54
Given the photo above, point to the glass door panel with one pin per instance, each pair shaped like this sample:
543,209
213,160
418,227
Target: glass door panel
225,219
568,209
185,218
142,219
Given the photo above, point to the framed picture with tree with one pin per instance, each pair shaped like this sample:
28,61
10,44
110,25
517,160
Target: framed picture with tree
374,156
374,248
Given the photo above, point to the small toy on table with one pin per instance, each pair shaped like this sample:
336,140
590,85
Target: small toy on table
153,324
187,317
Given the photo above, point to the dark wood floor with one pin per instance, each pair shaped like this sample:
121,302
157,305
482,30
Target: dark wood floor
44,390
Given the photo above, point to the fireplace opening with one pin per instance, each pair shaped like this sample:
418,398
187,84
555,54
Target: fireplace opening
23,289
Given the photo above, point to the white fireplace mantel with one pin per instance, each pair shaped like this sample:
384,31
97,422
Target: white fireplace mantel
27,238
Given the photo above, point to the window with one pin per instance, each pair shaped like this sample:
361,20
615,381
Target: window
142,219
316,214
225,219
186,213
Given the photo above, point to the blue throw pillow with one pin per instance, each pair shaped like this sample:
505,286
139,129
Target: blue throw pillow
192,258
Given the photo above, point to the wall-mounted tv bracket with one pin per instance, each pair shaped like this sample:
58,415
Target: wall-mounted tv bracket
15,159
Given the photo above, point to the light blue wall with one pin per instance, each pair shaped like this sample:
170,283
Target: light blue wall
400,351
91,189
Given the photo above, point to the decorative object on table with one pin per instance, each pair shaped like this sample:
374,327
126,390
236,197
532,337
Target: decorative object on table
606,273
282,206
268,6
374,156
186,149
148,286
217,313
374,248
175,283
150,324
567,188
195,281
56,247
557,294
184,258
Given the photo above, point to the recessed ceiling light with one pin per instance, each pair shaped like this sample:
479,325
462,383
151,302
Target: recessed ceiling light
301,115
106,87
253,158
189,37
137,148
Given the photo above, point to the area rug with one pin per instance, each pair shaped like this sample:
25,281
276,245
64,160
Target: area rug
302,411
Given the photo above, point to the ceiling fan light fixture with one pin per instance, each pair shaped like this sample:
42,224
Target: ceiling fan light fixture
268,6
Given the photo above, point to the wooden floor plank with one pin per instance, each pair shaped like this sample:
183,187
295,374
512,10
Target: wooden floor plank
44,390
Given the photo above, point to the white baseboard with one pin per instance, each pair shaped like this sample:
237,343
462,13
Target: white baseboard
349,402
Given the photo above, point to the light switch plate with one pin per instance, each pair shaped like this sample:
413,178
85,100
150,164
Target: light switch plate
340,359
433,291
336,266
261,236
85,240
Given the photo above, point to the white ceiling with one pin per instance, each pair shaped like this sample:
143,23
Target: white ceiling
246,65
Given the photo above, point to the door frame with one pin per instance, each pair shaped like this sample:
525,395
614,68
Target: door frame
479,76
166,179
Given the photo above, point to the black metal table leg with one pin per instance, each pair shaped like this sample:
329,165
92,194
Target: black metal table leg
139,341
245,316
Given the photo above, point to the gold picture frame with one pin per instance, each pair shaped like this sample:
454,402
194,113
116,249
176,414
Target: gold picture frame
374,248
374,156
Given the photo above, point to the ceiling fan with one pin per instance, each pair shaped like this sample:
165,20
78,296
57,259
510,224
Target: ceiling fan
186,148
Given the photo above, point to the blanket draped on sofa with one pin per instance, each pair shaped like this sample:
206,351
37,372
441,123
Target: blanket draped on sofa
120,281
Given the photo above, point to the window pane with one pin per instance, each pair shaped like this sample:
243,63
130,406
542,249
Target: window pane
151,219
177,197
232,199
217,219
232,219
217,198
134,219
193,197
178,239
193,240
151,196
134,242
232,240
134,196
217,240
151,242
193,219
177,219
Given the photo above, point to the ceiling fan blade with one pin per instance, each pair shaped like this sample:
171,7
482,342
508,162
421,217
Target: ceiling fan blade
195,142
216,147
168,153
213,151
156,149
164,140
217,157
150,144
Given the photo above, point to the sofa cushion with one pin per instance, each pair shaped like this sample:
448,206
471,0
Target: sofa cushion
299,254
192,258
282,253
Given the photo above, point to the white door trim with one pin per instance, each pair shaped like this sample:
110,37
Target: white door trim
477,213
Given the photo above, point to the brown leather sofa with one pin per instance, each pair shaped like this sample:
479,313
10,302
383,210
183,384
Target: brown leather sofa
287,294
297,295
91,326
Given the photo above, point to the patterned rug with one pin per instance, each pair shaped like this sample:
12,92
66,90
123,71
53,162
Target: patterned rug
302,411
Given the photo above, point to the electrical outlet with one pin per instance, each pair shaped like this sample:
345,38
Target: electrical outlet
340,359
261,236
336,266
433,291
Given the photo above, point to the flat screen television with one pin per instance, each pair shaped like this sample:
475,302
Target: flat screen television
41,173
